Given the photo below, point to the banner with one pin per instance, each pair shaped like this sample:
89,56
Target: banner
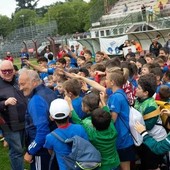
111,45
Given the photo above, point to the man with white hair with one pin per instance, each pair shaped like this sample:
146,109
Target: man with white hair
12,114
37,124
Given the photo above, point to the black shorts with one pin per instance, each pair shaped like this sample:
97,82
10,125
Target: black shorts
127,154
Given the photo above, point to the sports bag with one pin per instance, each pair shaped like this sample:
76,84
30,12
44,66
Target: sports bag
83,154
134,116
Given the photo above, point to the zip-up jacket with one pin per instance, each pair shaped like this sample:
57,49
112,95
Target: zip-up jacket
13,115
37,118
160,147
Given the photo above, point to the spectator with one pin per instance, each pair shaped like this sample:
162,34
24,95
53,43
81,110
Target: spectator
125,44
9,57
125,8
61,52
150,14
24,56
37,118
51,60
77,50
137,45
130,53
143,9
13,108
155,47
161,7
47,53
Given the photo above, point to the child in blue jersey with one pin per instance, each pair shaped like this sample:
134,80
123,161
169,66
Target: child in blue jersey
72,88
59,112
119,108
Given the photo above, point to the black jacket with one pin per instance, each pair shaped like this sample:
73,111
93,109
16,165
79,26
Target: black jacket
14,116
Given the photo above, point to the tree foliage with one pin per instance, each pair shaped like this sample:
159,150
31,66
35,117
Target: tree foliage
24,17
71,17
26,4
5,25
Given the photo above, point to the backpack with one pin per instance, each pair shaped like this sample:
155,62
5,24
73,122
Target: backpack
134,116
83,154
165,118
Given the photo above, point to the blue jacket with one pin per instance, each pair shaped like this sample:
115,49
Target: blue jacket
37,118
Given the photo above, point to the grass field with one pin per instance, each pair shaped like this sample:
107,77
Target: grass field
17,61
4,161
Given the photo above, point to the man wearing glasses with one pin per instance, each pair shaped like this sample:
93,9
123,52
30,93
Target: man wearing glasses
12,111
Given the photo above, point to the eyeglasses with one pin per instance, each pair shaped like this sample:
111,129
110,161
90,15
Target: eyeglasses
9,71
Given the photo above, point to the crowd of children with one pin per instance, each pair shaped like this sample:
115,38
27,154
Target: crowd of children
98,94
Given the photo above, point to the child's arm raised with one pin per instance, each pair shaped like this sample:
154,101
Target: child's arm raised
88,81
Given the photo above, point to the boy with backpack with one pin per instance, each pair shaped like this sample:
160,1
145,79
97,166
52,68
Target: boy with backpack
146,105
59,112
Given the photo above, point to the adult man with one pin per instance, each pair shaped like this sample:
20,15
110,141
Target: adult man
37,118
137,45
155,47
12,110
143,9
47,53
150,14
23,55
9,57
130,53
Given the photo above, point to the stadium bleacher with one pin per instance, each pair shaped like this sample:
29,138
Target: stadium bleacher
133,6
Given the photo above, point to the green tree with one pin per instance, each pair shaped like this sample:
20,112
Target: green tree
5,25
26,4
24,17
71,17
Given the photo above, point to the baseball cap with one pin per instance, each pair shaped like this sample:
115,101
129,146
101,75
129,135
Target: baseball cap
59,109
